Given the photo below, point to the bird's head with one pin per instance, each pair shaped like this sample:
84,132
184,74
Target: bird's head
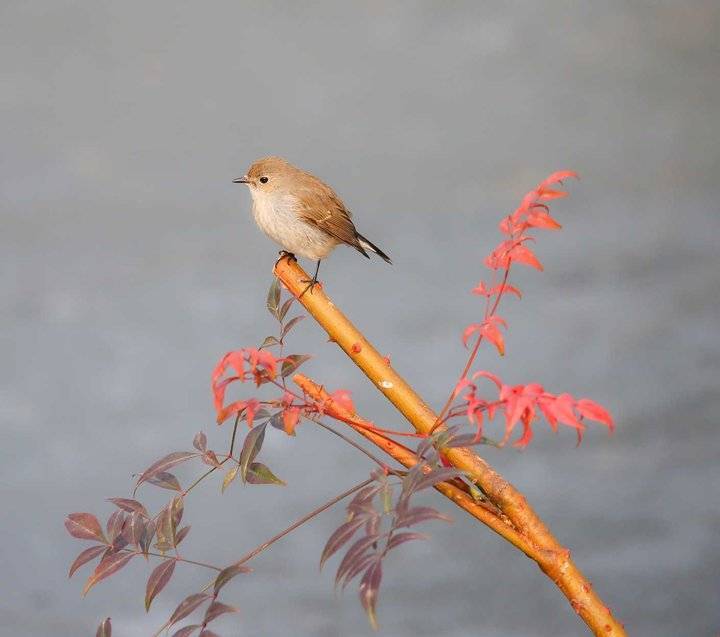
267,176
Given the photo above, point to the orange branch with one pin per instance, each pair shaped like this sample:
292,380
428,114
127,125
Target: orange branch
484,512
553,558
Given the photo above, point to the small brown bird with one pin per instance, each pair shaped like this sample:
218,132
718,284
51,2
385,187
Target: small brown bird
300,212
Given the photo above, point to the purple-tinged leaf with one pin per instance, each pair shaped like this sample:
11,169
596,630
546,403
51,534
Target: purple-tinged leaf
229,477
164,464
86,556
229,573
364,496
251,448
208,633
104,629
467,440
115,524
186,631
200,441
130,506
176,509
120,542
369,589
400,538
289,325
258,473
436,476
273,298
165,530
420,514
187,606
372,524
84,526
211,459
147,537
360,565
268,341
158,579
339,538
284,308
134,528
165,480
109,565
355,553
292,362
216,609
277,421
180,535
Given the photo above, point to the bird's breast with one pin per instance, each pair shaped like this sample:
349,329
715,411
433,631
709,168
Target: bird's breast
277,216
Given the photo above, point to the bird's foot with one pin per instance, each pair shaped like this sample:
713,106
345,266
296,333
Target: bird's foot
311,284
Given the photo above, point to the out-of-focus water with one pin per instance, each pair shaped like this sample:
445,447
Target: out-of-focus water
130,264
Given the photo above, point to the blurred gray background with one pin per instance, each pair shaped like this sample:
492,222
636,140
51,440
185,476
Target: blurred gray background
130,265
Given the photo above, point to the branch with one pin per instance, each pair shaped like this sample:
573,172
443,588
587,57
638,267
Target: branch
553,558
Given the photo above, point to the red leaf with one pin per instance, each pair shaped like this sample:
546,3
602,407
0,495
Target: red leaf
344,398
560,175
164,464
521,254
109,565
131,506
291,417
158,579
490,331
208,633
84,526
104,629
543,220
593,411
187,606
86,556
469,331
490,376
216,609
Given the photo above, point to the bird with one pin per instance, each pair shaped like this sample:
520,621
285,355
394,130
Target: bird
301,213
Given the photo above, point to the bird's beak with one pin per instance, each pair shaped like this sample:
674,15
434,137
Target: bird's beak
241,180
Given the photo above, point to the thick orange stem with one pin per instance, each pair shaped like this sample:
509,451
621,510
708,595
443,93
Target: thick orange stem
553,558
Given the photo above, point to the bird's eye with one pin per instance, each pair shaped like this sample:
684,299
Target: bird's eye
263,180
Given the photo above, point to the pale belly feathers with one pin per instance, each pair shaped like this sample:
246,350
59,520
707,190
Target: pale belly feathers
277,218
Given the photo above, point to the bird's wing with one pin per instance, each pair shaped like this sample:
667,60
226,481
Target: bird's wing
318,205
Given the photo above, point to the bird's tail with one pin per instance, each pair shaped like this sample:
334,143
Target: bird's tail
369,245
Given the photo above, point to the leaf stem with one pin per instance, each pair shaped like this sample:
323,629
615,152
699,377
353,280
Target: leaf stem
305,518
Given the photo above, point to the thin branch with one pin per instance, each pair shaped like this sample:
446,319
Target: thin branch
350,441
305,518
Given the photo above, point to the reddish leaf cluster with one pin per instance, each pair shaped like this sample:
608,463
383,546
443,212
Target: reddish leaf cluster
531,213
522,403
